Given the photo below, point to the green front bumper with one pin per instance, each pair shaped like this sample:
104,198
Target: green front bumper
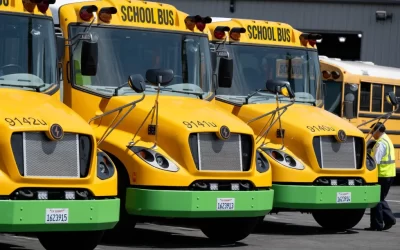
197,204
82,215
325,197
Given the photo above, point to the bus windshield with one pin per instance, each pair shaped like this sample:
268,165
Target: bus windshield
125,52
28,53
254,65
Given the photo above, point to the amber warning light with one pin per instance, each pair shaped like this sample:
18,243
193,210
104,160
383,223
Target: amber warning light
198,21
309,38
42,5
234,34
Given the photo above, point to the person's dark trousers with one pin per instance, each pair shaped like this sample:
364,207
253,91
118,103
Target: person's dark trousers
382,212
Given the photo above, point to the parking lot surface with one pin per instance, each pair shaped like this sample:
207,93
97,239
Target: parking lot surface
283,231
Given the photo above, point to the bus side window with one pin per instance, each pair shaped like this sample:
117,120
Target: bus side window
377,98
365,98
387,107
397,92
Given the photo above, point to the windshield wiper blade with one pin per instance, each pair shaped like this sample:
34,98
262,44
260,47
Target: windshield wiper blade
183,92
37,87
252,94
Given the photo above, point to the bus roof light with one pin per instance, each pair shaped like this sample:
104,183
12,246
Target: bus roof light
43,6
309,38
326,74
235,33
335,75
105,14
198,21
86,12
219,31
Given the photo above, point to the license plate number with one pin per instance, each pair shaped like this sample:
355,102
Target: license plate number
56,215
224,204
343,197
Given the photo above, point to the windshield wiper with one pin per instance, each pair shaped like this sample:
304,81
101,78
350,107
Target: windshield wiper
37,87
183,92
252,94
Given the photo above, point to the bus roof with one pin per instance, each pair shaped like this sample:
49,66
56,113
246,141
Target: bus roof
137,13
260,32
363,68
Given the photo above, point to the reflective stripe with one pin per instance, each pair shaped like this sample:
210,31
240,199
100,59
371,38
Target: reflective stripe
387,166
387,152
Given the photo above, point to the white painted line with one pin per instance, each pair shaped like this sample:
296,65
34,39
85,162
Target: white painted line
393,201
23,237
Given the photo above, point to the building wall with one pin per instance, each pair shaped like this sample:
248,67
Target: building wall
380,41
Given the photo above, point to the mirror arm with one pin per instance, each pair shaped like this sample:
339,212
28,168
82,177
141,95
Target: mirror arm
112,127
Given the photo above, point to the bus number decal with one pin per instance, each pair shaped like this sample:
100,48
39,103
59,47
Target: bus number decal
147,15
196,124
4,2
320,128
24,121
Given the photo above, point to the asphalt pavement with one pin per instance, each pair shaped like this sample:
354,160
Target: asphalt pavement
283,231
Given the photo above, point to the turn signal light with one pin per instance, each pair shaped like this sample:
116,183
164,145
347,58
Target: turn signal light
219,31
86,12
105,14
234,34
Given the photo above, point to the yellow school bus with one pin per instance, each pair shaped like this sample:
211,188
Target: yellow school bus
318,160
356,90
52,175
178,155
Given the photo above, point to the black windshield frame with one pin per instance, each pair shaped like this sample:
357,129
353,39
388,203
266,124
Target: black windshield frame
205,71
31,45
312,90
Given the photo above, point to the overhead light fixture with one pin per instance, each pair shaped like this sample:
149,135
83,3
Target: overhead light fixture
342,39
359,35
319,41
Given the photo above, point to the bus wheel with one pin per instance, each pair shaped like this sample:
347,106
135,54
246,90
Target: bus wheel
339,219
82,240
228,230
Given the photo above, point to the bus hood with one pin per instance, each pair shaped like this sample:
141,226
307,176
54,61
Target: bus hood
31,111
301,124
178,117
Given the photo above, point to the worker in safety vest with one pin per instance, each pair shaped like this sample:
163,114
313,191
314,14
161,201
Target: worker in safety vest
383,153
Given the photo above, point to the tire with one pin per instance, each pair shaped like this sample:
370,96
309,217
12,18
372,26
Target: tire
126,222
228,230
339,219
82,240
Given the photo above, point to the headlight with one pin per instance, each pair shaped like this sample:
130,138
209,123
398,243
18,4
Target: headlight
284,159
262,164
155,159
105,167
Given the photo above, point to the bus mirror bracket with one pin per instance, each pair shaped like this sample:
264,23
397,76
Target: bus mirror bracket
394,101
60,43
277,88
158,77
136,82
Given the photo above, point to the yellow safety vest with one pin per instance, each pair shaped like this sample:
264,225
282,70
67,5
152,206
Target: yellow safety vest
387,166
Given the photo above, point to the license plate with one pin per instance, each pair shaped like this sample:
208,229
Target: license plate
343,197
224,204
56,215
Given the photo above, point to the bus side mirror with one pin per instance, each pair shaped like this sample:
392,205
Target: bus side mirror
392,99
280,88
349,106
159,76
136,82
225,72
60,43
213,60
89,58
